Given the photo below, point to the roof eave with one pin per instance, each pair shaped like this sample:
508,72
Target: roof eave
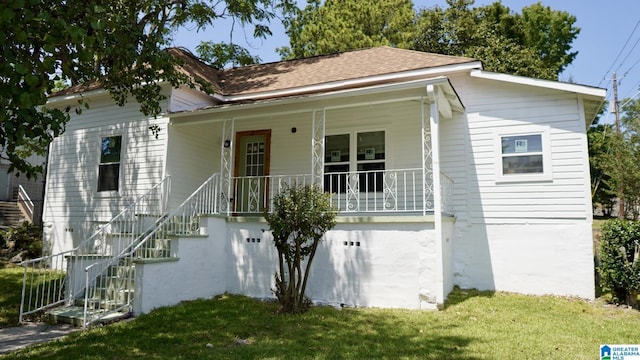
352,83
440,81
548,84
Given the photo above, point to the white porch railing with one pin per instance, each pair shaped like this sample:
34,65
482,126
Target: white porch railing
383,191
25,203
55,279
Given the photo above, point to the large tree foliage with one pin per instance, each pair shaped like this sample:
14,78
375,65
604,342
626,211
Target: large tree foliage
118,42
536,42
615,155
601,139
341,25
625,171
301,216
220,55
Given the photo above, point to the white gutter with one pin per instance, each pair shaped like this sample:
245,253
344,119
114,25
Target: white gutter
549,84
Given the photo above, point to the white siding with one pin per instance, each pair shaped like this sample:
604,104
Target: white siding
193,154
291,152
529,237
494,107
184,99
72,204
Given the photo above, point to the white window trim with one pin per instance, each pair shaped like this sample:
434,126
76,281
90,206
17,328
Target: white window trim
546,174
353,147
111,193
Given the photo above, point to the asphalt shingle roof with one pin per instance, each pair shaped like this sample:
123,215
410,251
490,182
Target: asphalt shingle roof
308,72
324,69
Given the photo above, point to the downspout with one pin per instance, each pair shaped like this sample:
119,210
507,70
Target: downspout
434,119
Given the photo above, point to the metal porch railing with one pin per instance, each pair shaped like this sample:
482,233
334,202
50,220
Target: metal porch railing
380,191
57,279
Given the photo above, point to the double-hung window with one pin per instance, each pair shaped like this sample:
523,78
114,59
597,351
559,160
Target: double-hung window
345,154
523,156
110,160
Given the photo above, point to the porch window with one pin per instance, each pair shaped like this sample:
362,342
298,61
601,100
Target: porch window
109,167
523,157
363,152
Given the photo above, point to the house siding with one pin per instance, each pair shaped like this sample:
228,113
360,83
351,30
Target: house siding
492,108
185,99
530,236
73,207
192,156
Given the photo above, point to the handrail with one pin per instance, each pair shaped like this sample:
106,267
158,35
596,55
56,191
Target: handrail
25,202
119,232
184,220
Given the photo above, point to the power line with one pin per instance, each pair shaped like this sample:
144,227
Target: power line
630,68
620,52
628,54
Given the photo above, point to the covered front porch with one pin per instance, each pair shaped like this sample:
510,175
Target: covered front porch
377,154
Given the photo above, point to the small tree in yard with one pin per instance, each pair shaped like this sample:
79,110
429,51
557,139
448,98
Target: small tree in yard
301,216
619,264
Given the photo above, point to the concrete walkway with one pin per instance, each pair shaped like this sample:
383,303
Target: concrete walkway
14,338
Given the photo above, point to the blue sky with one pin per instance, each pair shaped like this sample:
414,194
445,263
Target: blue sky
606,26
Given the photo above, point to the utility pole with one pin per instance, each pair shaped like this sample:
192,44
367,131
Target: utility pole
616,110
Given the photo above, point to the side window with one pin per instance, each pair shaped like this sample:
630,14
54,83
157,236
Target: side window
523,157
109,167
522,154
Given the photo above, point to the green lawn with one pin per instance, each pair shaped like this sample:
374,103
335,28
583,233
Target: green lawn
474,325
10,294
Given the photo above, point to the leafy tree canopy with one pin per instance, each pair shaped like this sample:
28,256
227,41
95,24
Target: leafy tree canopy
536,42
341,25
219,55
118,42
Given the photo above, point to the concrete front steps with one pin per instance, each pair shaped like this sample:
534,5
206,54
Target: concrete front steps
10,214
108,300
74,315
112,293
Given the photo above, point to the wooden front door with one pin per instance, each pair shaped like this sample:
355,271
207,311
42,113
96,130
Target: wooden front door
251,169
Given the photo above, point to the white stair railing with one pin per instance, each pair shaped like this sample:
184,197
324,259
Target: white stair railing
58,279
104,296
25,203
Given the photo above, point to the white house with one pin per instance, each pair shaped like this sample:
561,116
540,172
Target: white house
444,175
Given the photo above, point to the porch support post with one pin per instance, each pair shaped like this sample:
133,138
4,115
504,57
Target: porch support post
427,165
226,166
434,118
317,148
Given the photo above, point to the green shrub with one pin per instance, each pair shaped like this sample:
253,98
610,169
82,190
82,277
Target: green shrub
26,237
619,265
301,216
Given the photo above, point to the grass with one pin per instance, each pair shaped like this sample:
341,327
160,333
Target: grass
473,325
10,294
